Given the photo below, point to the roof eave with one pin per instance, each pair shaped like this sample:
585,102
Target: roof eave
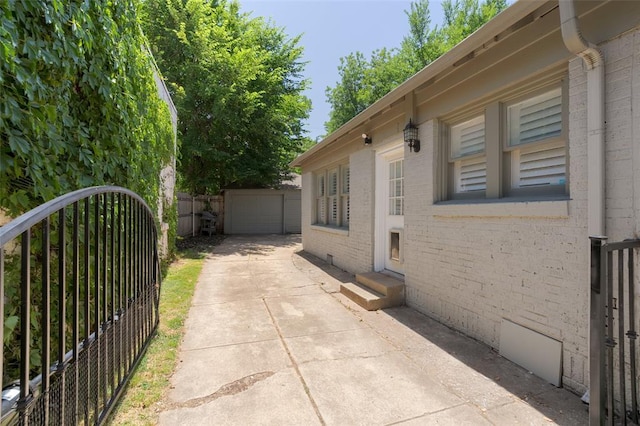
501,22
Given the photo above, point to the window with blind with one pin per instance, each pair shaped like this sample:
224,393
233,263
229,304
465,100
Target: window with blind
523,139
344,195
535,144
332,197
321,216
468,156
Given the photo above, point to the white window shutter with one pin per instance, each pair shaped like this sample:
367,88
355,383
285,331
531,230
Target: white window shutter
320,210
471,175
538,168
321,188
345,210
468,138
345,179
333,182
333,218
536,119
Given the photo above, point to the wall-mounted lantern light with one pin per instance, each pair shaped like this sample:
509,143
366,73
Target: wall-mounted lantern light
367,139
411,137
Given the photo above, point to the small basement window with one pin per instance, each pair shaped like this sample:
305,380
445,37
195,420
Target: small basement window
394,245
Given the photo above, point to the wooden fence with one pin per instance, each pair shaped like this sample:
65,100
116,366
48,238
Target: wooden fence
190,210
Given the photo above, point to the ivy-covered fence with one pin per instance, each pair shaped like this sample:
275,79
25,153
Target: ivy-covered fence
79,107
79,104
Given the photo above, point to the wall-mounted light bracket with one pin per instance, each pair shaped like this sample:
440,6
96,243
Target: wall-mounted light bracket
411,137
367,139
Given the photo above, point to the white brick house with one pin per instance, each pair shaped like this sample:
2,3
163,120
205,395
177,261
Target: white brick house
488,223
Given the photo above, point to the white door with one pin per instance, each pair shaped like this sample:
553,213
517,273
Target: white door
390,211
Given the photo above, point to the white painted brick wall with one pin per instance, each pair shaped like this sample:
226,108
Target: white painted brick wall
352,252
621,135
471,272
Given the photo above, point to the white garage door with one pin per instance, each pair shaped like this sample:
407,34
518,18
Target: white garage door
292,213
256,214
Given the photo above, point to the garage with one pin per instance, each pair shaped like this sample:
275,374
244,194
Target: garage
262,211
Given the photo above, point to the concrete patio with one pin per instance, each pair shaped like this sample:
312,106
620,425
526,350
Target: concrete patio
270,340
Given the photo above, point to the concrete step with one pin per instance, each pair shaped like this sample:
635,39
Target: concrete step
374,291
363,296
381,283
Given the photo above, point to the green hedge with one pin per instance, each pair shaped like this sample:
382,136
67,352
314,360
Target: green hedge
78,107
79,104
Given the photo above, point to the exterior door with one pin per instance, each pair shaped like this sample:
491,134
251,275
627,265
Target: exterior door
390,211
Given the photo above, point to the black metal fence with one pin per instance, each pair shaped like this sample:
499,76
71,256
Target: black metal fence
613,333
80,277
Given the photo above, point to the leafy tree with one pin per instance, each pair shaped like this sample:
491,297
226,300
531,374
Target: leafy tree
423,44
364,82
463,17
237,83
346,98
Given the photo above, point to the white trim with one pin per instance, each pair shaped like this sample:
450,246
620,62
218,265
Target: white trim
381,202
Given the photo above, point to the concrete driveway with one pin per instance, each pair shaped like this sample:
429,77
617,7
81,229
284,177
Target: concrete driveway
271,341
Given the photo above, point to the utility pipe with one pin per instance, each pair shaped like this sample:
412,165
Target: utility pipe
594,64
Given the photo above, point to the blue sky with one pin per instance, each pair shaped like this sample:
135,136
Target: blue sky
332,29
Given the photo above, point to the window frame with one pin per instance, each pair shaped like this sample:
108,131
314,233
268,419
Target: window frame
340,198
392,195
345,189
498,154
452,192
333,203
536,146
320,193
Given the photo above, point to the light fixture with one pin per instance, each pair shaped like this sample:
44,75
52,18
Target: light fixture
411,136
367,139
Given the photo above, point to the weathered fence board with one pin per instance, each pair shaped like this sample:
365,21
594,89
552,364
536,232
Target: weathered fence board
190,210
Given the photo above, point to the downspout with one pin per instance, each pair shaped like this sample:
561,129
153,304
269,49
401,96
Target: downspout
594,64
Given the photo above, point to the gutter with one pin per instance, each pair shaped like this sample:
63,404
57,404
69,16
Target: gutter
594,64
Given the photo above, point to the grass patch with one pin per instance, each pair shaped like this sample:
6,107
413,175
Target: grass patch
141,403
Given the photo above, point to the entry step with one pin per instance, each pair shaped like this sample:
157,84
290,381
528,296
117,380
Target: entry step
373,291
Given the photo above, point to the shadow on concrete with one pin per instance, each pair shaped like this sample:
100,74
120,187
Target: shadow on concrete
198,247
255,244
333,271
559,405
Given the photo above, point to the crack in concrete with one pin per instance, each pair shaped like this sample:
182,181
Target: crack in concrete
295,365
349,357
233,388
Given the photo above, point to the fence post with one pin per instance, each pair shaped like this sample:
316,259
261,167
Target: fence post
597,394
